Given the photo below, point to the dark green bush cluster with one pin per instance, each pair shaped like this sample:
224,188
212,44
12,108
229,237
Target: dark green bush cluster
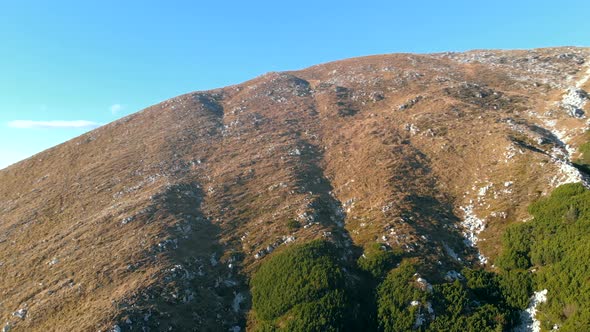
304,288
516,248
293,224
394,297
377,260
557,244
472,304
307,288
516,287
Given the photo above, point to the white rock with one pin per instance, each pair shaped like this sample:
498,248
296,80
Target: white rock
567,174
424,284
472,226
575,97
528,321
483,190
288,239
20,313
412,128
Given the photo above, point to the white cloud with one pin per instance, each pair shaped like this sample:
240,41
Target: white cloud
30,124
116,108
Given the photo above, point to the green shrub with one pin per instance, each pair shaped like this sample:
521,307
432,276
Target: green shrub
483,284
448,324
293,224
325,314
394,297
452,298
557,244
460,306
299,274
487,318
301,289
377,260
516,246
517,287
510,259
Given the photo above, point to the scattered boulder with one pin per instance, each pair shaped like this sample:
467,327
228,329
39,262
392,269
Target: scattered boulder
376,96
410,103
573,102
20,313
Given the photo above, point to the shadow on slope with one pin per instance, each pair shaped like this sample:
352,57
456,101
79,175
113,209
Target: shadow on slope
195,289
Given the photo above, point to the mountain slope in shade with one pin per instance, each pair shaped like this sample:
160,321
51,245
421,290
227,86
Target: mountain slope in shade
158,220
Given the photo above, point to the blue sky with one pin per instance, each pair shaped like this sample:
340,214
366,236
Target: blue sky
68,66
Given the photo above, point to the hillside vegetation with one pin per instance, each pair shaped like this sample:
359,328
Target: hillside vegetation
555,246
307,288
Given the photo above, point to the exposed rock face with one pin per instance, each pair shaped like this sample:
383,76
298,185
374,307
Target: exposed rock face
574,101
157,220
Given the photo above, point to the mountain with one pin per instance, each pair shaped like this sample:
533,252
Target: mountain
159,220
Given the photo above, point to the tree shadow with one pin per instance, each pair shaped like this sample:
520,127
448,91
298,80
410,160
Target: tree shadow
195,290
440,241
328,210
